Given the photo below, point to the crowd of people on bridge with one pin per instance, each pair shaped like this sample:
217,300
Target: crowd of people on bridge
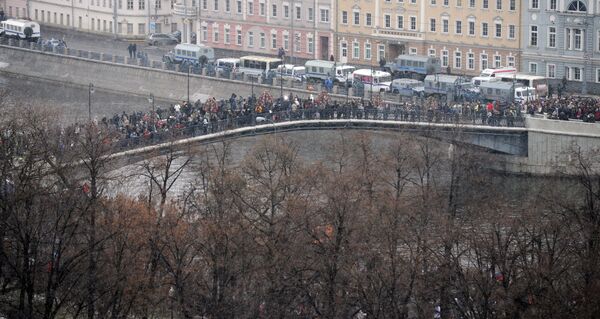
191,119
586,109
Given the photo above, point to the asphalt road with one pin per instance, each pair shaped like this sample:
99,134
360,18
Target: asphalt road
99,43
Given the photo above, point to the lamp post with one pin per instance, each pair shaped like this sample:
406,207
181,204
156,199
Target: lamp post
252,84
281,82
188,84
90,91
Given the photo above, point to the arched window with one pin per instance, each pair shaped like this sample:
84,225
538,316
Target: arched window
577,6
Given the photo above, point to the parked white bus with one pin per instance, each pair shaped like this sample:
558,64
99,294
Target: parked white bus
16,28
373,80
258,65
230,64
537,82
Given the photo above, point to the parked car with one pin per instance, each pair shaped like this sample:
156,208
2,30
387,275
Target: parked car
177,35
160,39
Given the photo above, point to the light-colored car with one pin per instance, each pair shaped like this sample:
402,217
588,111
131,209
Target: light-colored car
161,39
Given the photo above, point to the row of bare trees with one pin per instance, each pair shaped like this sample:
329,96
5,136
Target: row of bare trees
411,229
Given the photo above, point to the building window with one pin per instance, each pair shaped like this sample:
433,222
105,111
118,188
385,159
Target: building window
298,13
226,32
262,9
512,5
552,37
263,42
369,21
459,3
274,10
445,25
458,27
36,14
367,51
446,3
597,35
400,20
310,44
511,31
311,14
157,4
413,23
80,22
597,75
387,21
457,60
286,42
552,5
533,68
129,4
274,41
141,28
355,50
498,4
238,37
471,3
216,5
238,7
432,2
486,4
431,53
533,35
498,30
471,61
250,7
497,61
412,51
551,71
510,61
535,4
471,27
129,28
94,24
484,29
227,5
204,4
356,18
344,49
432,25
577,6
573,39
380,52
484,61
324,15
250,39
297,38
445,58
141,4
216,34
344,17
204,33
286,11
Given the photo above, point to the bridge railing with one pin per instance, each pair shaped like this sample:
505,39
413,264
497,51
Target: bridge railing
199,128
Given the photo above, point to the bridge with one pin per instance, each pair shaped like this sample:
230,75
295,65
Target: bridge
531,145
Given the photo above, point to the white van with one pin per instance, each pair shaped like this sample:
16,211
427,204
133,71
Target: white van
227,64
290,71
407,87
16,28
373,80
491,75
191,53
321,70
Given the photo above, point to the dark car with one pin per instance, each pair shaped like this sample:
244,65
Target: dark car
177,35
160,39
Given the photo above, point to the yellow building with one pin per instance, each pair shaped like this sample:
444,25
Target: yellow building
471,35
369,30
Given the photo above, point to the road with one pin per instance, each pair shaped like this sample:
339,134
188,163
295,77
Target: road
108,44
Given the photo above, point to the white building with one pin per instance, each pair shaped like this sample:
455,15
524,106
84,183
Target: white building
123,18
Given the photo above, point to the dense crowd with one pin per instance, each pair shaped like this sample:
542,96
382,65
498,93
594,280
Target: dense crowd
217,115
586,109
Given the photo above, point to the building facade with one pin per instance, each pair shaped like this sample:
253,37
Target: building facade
371,30
14,8
471,35
561,40
121,18
303,28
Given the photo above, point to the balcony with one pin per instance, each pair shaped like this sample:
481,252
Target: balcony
398,34
185,11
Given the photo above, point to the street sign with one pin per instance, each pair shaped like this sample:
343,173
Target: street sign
152,27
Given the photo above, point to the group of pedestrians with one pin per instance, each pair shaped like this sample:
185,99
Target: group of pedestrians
564,108
132,49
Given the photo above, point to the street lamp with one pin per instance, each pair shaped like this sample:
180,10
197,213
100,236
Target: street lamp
90,91
188,84
151,100
281,84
